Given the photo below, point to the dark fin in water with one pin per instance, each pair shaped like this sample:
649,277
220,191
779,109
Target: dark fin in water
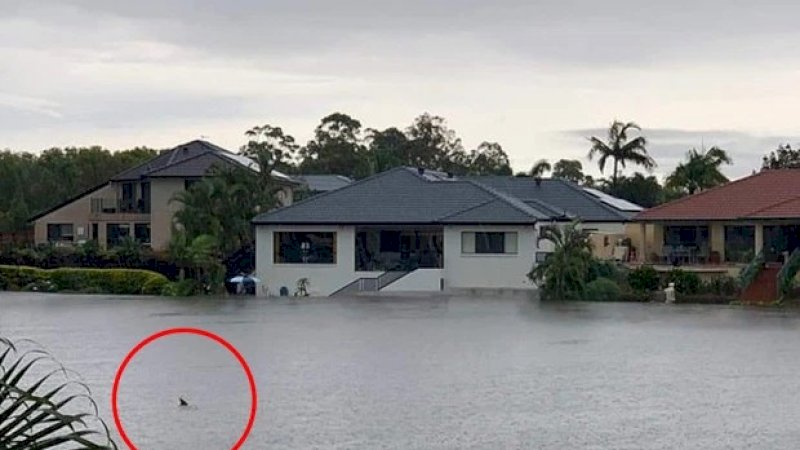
182,402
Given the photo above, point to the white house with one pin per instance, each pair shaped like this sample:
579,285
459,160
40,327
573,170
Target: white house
411,229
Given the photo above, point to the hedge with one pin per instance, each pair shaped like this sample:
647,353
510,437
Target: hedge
602,290
109,281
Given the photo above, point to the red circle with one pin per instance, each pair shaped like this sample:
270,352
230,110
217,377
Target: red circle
200,332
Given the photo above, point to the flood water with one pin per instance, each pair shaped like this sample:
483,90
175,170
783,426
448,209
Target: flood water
432,373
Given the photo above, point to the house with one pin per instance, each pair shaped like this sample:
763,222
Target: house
138,202
723,228
411,229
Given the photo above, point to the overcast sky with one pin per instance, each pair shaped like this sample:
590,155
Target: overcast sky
536,76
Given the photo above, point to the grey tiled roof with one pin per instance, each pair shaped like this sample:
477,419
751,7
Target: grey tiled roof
172,157
403,195
556,195
192,160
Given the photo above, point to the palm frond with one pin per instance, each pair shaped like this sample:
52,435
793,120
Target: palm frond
41,404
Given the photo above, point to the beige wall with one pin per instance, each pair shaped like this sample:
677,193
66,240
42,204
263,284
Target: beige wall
76,213
635,230
162,191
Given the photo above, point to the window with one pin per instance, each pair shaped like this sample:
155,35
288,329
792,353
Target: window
305,247
60,232
390,241
740,242
141,231
144,200
127,201
490,243
695,236
187,184
116,233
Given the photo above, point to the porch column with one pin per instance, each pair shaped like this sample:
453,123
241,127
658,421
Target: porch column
642,256
759,238
717,231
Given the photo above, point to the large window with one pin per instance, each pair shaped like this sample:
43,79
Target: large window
691,236
390,241
116,233
305,248
488,243
141,231
60,232
740,242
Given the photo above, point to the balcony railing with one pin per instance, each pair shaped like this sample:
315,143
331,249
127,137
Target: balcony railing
119,206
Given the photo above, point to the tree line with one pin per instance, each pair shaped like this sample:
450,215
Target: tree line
341,145
31,183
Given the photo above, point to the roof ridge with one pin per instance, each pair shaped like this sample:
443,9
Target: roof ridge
171,150
699,194
512,201
544,204
172,164
325,194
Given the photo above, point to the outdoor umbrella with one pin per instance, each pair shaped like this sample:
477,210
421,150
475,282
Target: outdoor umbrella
244,279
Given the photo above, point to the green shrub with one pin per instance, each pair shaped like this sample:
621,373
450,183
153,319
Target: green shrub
644,279
685,282
183,288
154,286
16,277
606,269
111,281
725,286
602,290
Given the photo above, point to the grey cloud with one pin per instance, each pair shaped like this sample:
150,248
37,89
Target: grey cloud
571,31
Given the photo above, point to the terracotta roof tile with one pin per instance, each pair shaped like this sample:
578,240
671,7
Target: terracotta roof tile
767,194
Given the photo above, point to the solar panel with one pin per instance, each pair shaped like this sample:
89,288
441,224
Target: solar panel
614,202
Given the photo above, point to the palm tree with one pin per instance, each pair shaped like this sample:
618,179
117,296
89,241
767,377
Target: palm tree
563,275
700,171
540,168
198,255
620,149
43,411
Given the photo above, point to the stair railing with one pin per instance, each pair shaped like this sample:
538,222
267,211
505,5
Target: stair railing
751,271
787,274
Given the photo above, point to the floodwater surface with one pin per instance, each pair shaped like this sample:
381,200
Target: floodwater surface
432,373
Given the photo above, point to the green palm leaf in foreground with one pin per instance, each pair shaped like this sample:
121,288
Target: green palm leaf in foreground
41,404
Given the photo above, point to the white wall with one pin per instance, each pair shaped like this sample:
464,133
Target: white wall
508,271
469,270
324,278
418,280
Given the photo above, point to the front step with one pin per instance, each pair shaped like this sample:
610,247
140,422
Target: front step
764,289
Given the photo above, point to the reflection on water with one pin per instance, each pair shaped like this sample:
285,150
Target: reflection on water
438,373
